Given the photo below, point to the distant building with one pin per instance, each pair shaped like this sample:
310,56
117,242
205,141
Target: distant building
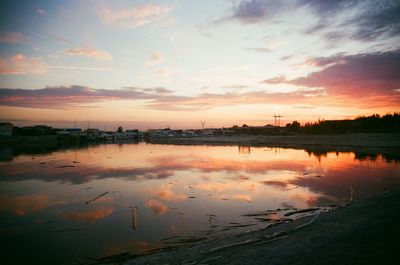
6,129
92,132
70,131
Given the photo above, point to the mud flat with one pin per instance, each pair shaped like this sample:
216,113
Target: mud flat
361,232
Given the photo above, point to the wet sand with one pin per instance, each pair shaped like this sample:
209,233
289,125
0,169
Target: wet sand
362,232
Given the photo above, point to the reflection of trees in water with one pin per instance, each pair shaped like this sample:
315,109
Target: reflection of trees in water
244,150
360,155
8,152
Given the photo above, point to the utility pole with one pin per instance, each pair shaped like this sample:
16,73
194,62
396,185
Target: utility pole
277,120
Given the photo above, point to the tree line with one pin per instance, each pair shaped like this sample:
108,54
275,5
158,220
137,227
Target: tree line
372,123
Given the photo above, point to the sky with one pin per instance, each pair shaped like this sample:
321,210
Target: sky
152,64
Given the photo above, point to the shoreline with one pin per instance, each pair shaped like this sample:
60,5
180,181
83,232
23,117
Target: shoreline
363,232
362,144
369,140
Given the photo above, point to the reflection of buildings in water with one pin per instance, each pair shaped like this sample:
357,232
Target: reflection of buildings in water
244,150
277,150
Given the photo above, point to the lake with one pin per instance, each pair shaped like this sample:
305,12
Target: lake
107,199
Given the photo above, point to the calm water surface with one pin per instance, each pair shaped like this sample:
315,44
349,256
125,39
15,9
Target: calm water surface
107,199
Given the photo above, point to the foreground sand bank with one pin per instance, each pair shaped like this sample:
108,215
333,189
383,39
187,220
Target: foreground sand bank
364,232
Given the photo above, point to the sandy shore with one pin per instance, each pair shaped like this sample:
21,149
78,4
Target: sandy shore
364,232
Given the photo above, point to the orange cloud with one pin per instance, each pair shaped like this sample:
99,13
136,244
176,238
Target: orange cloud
22,205
90,215
167,194
211,164
157,206
88,52
20,64
242,197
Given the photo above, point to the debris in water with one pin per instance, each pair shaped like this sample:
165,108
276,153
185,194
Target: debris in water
64,166
94,199
184,240
260,213
213,215
351,194
75,162
211,218
239,225
272,219
192,197
301,211
89,188
134,220
49,222
181,213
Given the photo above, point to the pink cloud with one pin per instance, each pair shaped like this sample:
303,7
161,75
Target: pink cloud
157,206
155,58
88,52
90,215
20,64
167,194
352,75
163,99
136,16
22,205
368,79
11,37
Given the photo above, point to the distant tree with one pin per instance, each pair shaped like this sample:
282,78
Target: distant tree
120,129
235,126
295,125
245,125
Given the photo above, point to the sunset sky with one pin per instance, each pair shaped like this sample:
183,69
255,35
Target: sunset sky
149,64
